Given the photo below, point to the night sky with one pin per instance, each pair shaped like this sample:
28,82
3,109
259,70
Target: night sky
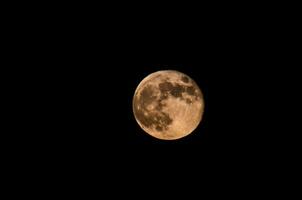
87,93
91,112
74,76
85,89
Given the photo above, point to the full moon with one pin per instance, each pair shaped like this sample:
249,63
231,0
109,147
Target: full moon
168,105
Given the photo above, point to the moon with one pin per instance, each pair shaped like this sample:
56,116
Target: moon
168,105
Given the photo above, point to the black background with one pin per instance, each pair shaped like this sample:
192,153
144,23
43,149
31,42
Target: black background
88,105
88,82
81,76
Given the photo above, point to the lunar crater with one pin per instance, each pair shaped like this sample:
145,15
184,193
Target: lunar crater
185,79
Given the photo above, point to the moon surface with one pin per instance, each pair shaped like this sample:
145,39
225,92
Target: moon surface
168,105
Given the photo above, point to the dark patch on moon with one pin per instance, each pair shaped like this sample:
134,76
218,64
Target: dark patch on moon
190,90
159,128
158,119
141,117
185,79
147,96
165,119
188,101
160,105
163,96
177,90
165,86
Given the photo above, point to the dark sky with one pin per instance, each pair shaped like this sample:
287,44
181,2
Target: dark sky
91,112
91,123
78,73
87,87
86,81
